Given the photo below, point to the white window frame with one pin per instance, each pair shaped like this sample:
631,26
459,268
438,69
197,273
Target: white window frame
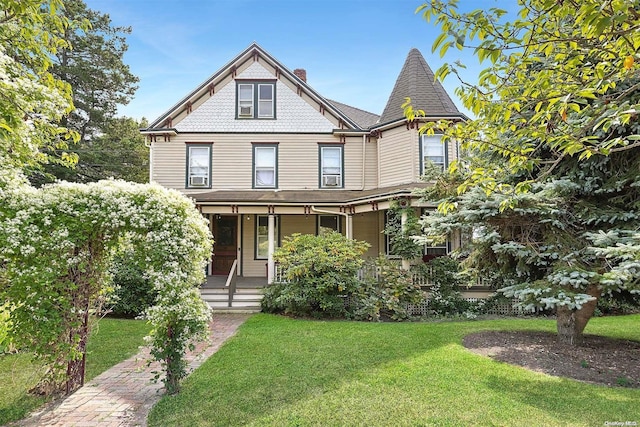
321,230
192,175
244,102
261,101
259,167
432,141
327,179
263,238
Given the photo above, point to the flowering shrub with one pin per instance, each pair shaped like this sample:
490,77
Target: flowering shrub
56,244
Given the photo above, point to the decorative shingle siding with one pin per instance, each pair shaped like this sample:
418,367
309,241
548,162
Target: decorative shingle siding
218,113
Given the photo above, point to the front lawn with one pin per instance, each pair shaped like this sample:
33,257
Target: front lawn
111,342
283,372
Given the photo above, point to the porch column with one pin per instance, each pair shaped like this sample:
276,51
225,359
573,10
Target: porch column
349,225
403,226
271,233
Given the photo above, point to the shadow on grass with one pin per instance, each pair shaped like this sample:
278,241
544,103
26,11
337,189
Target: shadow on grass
275,364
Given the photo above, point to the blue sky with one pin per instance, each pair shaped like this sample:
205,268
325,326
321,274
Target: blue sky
353,50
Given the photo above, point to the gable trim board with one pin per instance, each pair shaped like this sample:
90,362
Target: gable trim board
252,53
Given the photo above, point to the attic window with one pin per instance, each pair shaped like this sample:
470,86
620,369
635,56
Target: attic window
255,99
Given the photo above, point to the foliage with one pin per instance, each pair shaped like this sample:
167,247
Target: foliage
133,292
402,243
33,101
119,152
283,372
386,291
319,271
445,298
6,344
549,188
93,65
56,243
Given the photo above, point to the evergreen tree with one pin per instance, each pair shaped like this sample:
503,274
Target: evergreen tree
550,188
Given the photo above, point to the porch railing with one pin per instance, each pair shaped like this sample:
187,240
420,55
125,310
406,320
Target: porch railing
231,280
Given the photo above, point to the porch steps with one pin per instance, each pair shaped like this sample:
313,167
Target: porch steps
245,300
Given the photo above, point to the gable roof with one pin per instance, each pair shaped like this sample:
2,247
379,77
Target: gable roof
417,81
253,51
363,118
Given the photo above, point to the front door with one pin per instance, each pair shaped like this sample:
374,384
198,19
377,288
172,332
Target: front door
225,246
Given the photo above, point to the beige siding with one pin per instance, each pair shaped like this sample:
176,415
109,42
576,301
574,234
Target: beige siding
366,227
398,153
371,164
232,160
251,267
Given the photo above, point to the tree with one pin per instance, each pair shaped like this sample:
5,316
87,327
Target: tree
550,185
93,64
32,100
56,244
119,152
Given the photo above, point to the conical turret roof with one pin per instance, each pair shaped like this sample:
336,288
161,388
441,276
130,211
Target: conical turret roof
416,81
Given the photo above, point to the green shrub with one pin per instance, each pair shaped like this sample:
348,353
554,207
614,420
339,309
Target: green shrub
445,298
385,293
5,340
133,293
319,271
618,303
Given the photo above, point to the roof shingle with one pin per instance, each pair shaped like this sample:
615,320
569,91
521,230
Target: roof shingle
417,81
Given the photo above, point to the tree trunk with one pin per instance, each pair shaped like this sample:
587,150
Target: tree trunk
571,323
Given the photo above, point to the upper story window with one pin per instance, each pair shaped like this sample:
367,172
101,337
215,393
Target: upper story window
331,166
432,150
328,224
256,99
198,166
265,166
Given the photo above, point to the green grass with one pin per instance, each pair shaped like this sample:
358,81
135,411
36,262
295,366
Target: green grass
283,372
112,341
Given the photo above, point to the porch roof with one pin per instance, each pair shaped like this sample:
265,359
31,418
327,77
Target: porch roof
306,197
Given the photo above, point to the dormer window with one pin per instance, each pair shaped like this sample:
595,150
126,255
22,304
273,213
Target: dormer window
256,99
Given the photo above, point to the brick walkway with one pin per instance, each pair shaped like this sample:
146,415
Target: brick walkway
124,394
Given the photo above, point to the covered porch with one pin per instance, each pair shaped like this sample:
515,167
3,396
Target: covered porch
248,225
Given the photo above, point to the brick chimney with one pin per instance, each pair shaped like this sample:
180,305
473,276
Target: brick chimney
301,73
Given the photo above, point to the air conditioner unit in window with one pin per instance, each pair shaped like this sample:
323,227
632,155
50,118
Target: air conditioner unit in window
245,111
197,181
330,180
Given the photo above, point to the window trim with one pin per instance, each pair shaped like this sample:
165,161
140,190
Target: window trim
255,146
445,152
189,146
255,235
321,147
255,101
338,221
445,245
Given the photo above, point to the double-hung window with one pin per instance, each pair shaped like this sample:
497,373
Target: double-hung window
328,224
262,236
198,166
432,150
331,166
265,164
256,99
